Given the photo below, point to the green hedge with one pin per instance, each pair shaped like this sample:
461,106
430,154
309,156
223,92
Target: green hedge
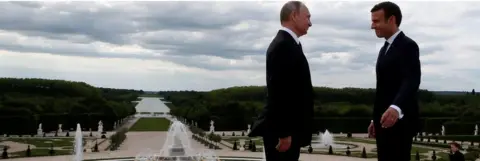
50,122
459,128
117,139
360,124
458,138
433,125
18,125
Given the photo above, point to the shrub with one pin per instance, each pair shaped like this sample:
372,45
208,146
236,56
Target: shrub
5,153
28,152
117,139
364,153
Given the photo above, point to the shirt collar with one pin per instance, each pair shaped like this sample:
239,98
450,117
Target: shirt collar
292,34
392,38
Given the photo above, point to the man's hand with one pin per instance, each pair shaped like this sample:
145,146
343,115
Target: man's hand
371,130
389,118
284,144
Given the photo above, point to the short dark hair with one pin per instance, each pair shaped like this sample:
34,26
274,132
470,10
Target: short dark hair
390,9
288,8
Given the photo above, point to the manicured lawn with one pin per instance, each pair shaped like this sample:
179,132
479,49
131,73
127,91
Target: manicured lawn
151,124
371,141
43,146
44,142
40,152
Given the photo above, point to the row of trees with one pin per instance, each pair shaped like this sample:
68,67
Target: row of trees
24,103
338,110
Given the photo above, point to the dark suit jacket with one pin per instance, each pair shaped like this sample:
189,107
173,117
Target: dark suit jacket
289,106
457,156
398,80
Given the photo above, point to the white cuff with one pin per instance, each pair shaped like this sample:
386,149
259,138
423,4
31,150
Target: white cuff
398,110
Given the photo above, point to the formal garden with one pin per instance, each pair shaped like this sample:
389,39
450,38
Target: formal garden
219,119
39,117
444,118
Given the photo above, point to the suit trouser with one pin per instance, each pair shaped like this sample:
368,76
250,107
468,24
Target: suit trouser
272,154
394,143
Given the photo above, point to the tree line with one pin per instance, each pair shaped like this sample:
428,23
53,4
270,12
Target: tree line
25,103
336,109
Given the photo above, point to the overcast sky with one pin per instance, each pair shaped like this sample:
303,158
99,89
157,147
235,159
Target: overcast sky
209,45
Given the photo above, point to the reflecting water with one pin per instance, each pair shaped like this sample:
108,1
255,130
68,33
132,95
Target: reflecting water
152,104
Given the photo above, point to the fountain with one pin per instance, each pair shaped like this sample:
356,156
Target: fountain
326,140
78,151
177,147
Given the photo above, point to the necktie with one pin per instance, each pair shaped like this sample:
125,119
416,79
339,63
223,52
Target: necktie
300,44
383,51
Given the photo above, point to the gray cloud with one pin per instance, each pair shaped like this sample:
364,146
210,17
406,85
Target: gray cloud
226,36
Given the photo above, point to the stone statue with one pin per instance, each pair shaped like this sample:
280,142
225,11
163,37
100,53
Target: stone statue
40,130
100,126
249,128
59,128
443,130
212,127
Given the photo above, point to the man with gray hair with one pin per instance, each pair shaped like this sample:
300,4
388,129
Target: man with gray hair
285,123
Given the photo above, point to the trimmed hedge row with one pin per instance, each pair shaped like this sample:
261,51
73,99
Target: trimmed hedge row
50,122
464,138
360,124
117,139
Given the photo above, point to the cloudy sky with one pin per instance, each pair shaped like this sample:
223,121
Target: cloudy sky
208,45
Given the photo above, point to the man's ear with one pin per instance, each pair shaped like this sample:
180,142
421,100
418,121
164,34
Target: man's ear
293,16
392,19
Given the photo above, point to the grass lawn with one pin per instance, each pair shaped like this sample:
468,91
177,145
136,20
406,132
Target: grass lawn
151,124
44,142
43,146
40,152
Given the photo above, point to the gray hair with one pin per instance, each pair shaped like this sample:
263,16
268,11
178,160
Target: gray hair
288,8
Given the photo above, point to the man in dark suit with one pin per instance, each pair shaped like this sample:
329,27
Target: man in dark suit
395,114
285,123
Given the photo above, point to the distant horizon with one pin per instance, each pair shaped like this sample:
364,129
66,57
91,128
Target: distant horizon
149,90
